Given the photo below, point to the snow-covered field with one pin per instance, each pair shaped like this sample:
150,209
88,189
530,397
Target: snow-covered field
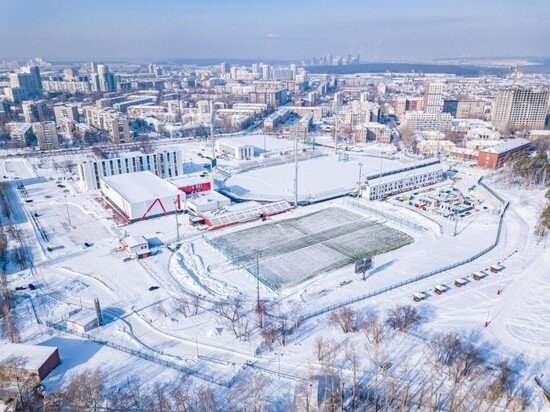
317,178
180,322
294,250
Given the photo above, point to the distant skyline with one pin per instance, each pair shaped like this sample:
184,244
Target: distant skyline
126,30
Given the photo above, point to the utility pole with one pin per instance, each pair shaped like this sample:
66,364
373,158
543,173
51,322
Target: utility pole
67,208
177,221
336,132
438,131
213,160
212,131
295,168
258,253
456,223
359,180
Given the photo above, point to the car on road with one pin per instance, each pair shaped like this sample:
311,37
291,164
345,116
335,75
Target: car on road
151,288
127,259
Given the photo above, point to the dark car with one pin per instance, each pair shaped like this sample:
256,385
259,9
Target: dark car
151,288
127,259
32,287
87,244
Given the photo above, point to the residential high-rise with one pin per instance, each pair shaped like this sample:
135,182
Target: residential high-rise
106,79
113,122
70,74
433,97
520,108
266,71
46,133
66,111
294,70
34,111
24,85
224,68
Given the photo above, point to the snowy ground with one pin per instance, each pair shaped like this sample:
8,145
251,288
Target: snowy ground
317,177
71,275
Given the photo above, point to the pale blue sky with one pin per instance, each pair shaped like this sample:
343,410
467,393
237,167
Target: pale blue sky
166,29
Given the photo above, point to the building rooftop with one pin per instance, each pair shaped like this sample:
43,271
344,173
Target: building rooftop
83,317
508,145
133,241
204,198
32,356
140,186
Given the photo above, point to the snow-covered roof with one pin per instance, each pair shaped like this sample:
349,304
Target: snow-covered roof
189,180
133,241
204,198
140,186
233,143
374,181
83,317
508,145
244,212
32,356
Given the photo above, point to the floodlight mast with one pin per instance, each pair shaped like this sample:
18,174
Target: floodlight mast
295,135
213,159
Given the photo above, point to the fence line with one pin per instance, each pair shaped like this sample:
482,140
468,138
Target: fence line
330,308
142,354
387,216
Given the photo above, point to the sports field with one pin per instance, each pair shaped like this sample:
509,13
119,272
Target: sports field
293,250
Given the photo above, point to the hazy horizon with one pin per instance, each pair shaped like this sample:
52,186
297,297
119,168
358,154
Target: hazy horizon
243,29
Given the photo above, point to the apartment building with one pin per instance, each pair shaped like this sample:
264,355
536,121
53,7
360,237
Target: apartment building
519,108
166,163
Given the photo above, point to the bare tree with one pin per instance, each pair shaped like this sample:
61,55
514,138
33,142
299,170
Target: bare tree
232,311
251,393
9,324
319,347
69,166
345,318
404,317
269,336
195,304
18,383
85,390
182,306
260,310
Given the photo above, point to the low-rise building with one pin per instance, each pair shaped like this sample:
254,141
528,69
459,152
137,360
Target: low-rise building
136,246
497,156
235,149
198,203
82,321
141,195
28,361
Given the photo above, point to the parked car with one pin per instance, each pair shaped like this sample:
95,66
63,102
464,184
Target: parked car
151,288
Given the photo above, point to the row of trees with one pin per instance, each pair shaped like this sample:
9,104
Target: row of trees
453,371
